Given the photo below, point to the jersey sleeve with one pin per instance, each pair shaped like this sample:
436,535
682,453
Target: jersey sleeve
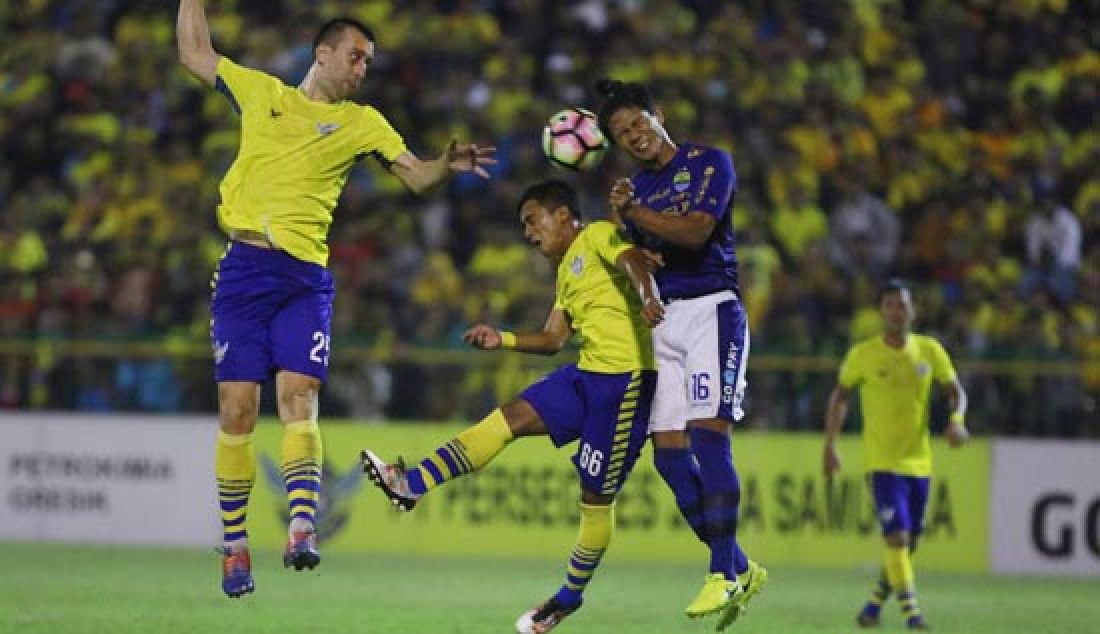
851,370
715,192
943,370
378,138
607,241
245,88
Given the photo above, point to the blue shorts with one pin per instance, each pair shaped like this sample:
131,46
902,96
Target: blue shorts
900,501
608,413
270,311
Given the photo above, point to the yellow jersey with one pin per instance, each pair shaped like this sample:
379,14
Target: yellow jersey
603,307
894,386
294,157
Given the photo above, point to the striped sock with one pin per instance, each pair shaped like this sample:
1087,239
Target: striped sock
899,574
597,525
681,473
235,469
879,595
301,467
721,498
466,453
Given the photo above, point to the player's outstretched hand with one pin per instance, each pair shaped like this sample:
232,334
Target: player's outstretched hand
622,193
470,157
830,460
653,311
482,336
957,435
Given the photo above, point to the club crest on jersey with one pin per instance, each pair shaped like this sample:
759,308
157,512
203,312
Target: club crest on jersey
682,180
577,265
922,369
325,129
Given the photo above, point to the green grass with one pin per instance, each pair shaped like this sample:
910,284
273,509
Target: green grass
75,590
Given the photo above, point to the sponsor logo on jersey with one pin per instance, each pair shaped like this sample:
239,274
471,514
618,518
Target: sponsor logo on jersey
325,129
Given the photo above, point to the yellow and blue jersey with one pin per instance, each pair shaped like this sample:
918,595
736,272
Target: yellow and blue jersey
894,386
603,308
294,157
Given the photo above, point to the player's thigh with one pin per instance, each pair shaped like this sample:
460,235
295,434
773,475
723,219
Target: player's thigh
717,351
669,409
890,493
556,402
615,428
301,333
917,497
241,309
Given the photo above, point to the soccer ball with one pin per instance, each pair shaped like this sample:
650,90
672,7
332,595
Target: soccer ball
572,140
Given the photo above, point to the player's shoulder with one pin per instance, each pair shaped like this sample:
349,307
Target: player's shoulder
929,343
864,346
707,153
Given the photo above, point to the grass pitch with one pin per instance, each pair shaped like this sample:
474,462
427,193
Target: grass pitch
76,589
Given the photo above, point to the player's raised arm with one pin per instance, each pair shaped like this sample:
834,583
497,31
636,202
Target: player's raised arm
193,41
690,230
835,413
421,176
637,265
549,341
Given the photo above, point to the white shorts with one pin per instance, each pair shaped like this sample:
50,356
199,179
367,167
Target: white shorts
702,348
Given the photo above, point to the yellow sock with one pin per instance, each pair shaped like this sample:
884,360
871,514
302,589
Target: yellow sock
597,526
301,467
235,469
469,451
899,572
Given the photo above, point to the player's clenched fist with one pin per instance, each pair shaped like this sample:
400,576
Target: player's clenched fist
622,194
483,336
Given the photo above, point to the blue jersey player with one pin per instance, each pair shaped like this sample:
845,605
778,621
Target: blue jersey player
678,206
272,301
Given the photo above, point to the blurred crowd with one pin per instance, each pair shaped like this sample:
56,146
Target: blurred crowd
954,143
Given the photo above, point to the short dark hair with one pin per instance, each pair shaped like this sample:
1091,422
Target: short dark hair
618,95
330,31
893,285
552,194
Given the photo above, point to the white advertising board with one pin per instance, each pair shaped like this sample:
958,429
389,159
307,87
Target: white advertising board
108,479
1046,507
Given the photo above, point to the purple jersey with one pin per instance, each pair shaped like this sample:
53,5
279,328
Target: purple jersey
698,178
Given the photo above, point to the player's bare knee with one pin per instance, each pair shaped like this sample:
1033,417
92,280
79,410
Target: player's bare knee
899,539
522,419
596,499
677,439
297,397
238,407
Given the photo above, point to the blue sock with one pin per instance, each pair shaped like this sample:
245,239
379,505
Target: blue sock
721,497
681,473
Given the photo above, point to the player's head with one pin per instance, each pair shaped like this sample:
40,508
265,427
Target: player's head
342,50
896,304
629,118
551,216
